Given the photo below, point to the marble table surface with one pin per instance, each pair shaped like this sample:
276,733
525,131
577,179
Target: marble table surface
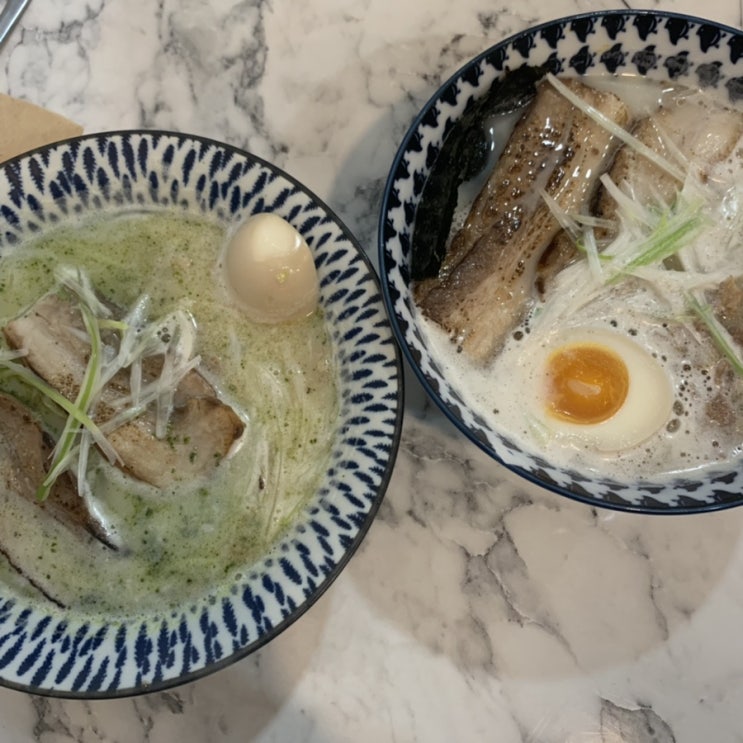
479,608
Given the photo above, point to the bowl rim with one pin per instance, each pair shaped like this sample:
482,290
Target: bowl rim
710,507
392,450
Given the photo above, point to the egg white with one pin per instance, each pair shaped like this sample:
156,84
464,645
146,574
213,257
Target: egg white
645,410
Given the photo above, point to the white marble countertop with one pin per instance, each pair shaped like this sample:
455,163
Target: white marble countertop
479,607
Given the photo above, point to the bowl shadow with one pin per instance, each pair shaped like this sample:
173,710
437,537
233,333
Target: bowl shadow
504,577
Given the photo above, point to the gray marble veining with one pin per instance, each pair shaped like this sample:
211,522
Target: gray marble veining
479,607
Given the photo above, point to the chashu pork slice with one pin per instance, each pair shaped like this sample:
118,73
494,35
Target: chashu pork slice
202,428
703,135
487,278
24,457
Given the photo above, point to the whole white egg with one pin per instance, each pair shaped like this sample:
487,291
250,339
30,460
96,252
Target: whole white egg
271,270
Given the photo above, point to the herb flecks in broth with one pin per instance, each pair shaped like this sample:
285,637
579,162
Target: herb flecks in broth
189,538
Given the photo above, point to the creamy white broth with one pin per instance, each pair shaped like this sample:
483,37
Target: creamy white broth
281,379
503,390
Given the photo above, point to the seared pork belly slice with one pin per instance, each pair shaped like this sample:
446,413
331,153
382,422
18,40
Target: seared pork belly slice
24,455
703,135
487,279
201,431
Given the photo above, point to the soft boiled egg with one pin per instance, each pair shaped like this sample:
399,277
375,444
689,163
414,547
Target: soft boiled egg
271,270
601,390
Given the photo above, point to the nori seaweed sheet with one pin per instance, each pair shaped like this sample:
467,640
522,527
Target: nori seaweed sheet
463,155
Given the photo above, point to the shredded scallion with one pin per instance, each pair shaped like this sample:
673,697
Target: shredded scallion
129,343
616,130
70,434
33,380
670,234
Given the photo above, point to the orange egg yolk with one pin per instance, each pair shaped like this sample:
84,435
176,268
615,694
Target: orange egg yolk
586,383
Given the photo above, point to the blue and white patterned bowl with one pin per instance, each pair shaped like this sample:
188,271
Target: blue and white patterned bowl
657,45
52,654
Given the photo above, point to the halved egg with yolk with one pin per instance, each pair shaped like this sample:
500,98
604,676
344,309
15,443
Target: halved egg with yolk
602,390
587,383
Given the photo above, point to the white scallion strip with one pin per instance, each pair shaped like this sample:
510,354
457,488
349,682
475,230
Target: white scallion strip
133,340
683,282
591,251
63,450
83,452
630,210
616,130
579,228
671,147
78,283
174,337
587,220
11,354
562,217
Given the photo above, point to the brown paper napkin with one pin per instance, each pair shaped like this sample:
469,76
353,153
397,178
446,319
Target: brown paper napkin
24,126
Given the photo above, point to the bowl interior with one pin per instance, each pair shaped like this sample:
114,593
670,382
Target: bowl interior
655,45
57,653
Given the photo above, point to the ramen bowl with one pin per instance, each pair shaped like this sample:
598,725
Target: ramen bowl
56,651
653,45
